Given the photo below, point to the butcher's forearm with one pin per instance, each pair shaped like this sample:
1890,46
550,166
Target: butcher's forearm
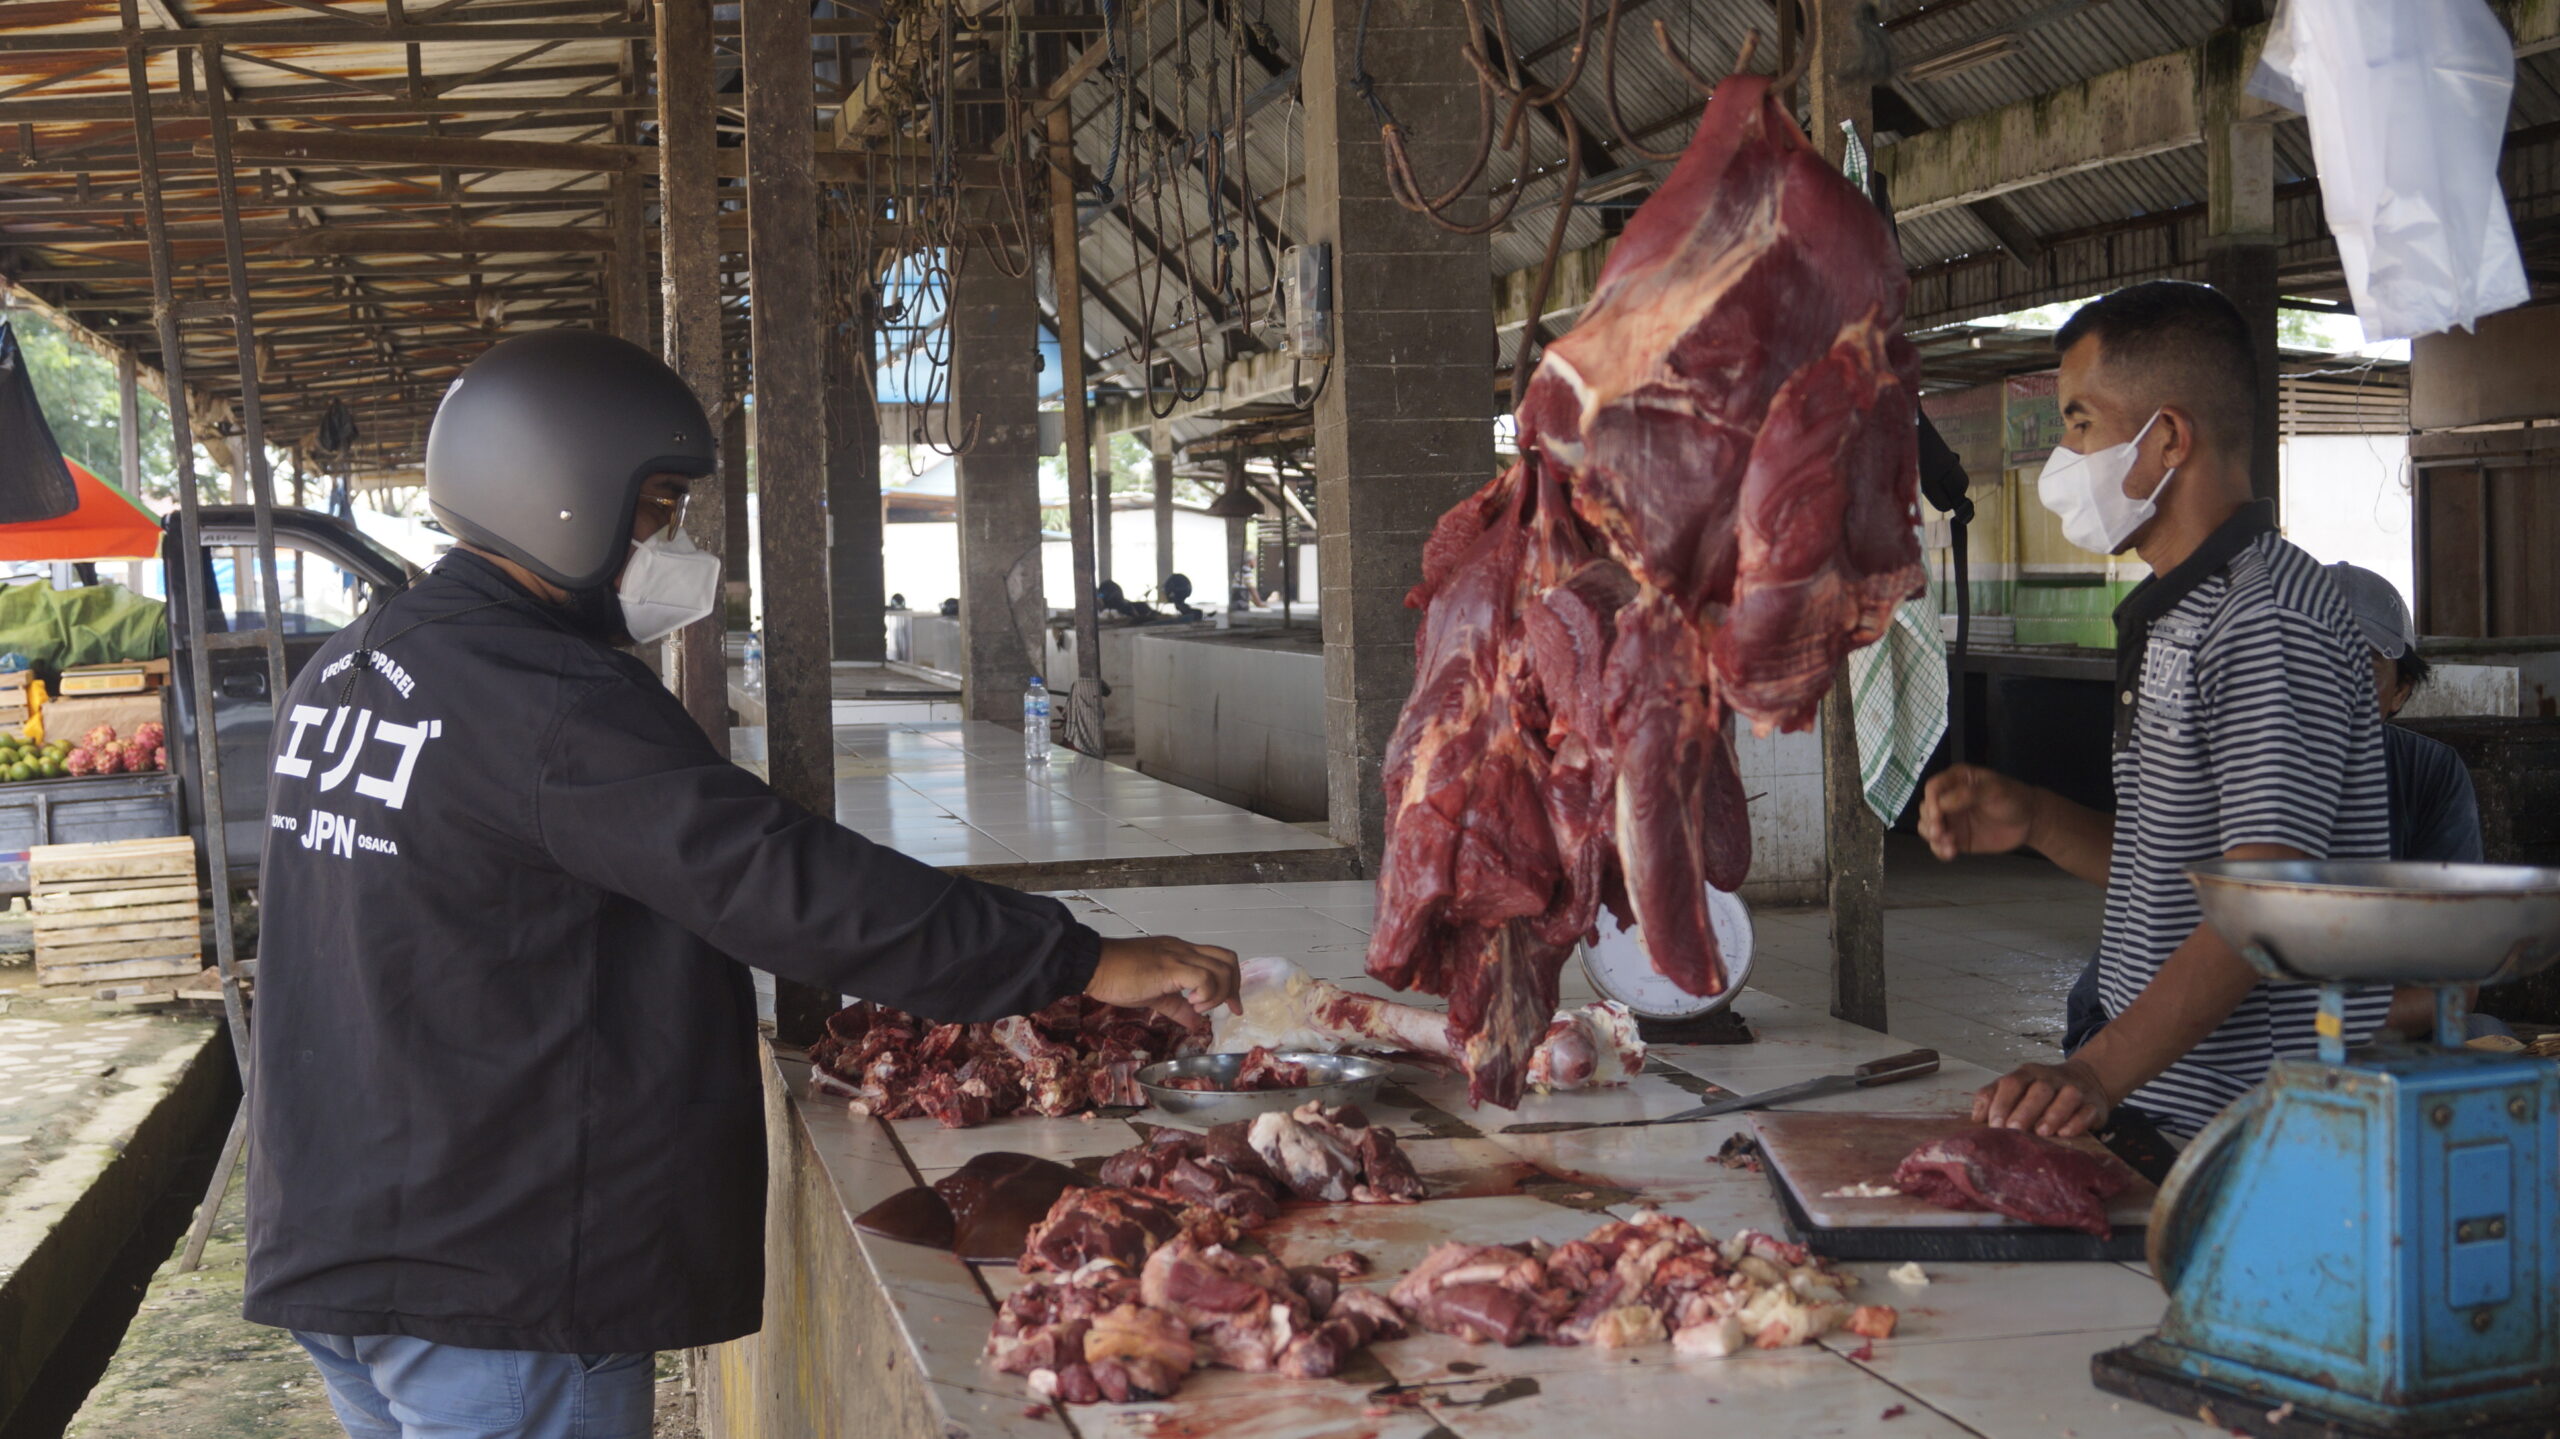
2074,836
2197,987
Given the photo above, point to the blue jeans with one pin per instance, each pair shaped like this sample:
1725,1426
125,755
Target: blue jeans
388,1386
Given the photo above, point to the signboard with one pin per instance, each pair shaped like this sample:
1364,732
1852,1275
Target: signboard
1969,421
2031,419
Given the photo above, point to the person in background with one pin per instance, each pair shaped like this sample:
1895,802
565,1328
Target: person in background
2434,814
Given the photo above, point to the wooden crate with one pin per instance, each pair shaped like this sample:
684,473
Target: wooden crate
115,910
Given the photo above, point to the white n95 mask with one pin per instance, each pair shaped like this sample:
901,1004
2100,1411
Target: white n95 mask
668,584
2086,492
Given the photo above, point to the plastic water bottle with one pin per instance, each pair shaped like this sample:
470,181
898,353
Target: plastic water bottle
753,674
1035,723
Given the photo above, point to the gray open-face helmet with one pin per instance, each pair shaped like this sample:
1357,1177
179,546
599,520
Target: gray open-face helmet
540,447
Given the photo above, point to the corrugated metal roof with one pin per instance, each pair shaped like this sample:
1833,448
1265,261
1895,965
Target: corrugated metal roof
2126,218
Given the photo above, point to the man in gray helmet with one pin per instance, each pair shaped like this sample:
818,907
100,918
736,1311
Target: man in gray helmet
507,1125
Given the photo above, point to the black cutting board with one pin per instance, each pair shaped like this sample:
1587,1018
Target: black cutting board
1809,1154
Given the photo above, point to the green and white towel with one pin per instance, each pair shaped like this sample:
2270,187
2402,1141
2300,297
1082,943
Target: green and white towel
1899,686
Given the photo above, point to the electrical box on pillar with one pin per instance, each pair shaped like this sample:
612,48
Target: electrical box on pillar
1306,301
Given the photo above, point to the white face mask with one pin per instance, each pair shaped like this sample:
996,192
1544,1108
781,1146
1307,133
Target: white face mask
2086,492
668,584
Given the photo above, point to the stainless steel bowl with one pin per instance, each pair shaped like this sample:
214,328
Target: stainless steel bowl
2384,922
1347,1079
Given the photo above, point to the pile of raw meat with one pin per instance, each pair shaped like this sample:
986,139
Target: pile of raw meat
1133,1282
1284,1007
1638,1282
1715,502
1076,1054
2024,1176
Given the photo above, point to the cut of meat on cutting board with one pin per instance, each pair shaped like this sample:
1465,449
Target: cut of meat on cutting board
1816,1153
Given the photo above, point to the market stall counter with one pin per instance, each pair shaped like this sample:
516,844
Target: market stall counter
869,1336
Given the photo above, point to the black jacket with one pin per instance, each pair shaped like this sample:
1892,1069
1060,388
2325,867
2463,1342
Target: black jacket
506,1092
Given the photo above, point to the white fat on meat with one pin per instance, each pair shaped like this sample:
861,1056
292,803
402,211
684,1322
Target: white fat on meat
1316,1160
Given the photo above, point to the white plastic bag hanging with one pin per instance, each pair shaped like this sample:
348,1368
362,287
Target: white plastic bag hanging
2408,107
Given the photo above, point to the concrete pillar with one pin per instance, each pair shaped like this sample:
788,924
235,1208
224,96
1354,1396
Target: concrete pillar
1843,84
1404,427
2240,229
1101,507
128,424
784,282
854,581
696,660
1162,438
737,543
995,320
1226,592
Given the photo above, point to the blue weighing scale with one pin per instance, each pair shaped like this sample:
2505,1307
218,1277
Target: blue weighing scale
2368,1243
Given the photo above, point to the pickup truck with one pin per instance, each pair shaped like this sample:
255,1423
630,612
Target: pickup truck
328,572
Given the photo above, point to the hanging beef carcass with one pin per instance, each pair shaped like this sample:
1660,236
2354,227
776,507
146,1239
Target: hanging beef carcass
1715,503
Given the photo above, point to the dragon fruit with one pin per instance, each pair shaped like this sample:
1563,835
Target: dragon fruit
81,760
99,736
150,734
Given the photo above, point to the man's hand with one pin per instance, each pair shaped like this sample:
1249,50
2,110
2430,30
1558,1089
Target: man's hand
2058,1101
1176,978
1967,809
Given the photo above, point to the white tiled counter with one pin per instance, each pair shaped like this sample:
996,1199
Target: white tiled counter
1986,1349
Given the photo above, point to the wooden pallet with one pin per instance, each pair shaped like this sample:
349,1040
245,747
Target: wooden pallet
117,910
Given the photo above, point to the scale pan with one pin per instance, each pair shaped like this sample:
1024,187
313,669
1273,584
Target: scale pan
2385,922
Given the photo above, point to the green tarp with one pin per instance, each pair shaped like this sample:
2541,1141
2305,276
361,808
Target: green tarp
97,624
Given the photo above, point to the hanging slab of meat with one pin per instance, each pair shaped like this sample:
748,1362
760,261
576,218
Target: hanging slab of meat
1715,502
2024,1176
1287,1008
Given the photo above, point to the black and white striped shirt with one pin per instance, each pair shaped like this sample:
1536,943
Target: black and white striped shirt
2245,715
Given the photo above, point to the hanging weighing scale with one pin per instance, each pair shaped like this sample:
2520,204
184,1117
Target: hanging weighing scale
1615,962
2368,1243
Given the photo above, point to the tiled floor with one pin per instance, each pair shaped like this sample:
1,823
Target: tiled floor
57,1062
952,794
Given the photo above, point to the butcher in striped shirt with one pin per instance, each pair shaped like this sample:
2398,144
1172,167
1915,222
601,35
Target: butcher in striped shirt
2245,724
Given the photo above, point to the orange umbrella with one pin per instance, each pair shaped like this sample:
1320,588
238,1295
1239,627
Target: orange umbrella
104,526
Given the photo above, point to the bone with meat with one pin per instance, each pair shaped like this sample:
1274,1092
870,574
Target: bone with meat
1637,1282
1218,1171
1715,502
1284,1007
1335,1155
1075,1054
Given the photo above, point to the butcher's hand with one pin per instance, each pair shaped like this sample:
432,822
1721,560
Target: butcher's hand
2058,1101
1967,809
1176,978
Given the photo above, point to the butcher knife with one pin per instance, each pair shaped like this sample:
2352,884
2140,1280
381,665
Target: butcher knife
1890,1070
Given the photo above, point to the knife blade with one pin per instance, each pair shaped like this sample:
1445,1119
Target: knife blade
1889,1070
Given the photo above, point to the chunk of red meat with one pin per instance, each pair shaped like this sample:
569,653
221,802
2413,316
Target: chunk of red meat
1482,1293
2024,1176
1118,1225
1241,1308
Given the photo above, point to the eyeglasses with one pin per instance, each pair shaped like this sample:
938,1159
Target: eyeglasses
668,512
